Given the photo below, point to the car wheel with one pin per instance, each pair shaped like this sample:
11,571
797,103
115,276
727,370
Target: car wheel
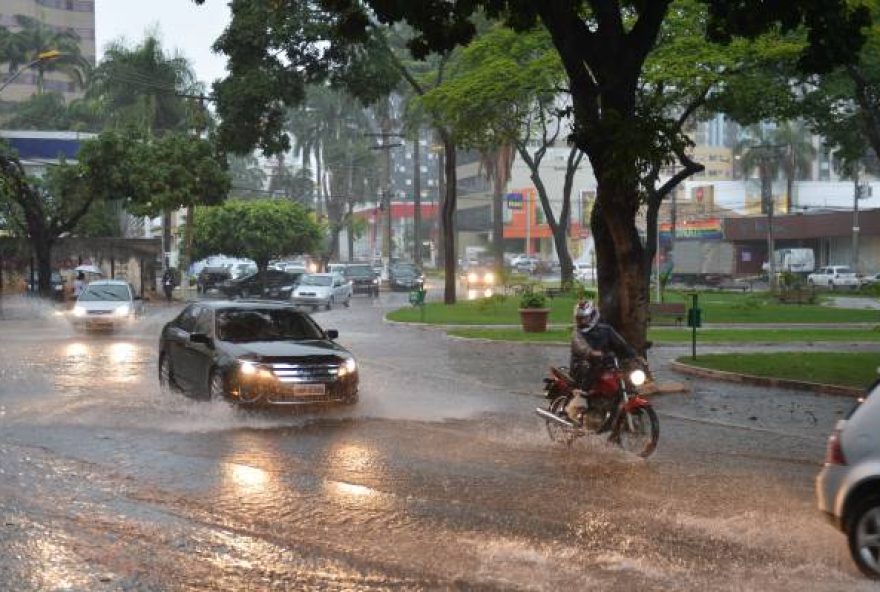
347,302
830,285
329,304
863,534
166,373
216,386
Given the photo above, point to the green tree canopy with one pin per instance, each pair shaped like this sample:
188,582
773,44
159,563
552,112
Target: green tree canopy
257,229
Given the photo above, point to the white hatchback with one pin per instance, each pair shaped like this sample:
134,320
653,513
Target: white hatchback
106,304
848,486
834,276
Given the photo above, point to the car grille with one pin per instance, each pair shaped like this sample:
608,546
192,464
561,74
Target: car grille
306,372
307,294
99,312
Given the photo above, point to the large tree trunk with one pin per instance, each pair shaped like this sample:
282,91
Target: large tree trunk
498,225
447,218
43,255
620,261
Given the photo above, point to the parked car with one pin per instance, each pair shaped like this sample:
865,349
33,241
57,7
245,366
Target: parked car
322,290
265,354
834,276
243,269
848,486
56,284
405,276
210,278
363,279
279,285
107,305
870,279
527,264
584,272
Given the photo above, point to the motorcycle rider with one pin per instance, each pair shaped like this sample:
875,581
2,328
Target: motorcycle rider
591,342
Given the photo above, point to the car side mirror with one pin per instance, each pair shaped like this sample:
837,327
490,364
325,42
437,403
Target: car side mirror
332,334
201,338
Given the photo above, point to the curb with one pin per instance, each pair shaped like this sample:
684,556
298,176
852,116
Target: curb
823,389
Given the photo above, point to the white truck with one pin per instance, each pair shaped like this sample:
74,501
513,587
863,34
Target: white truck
802,261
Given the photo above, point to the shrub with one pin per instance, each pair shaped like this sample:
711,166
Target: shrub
533,299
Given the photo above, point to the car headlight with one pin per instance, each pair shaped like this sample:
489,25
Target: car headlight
79,311
122,311
637,377
473,278
375,280
489,278
250,369
348,367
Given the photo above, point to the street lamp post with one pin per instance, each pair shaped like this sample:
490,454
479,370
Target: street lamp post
44,56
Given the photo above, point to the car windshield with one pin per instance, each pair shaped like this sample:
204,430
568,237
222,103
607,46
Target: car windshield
844,270
315,280
360,271
270,324
112,292
406,269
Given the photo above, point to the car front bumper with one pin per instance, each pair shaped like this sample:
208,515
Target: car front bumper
310,300
272,393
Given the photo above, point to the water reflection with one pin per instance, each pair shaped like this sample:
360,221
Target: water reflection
246,480
87,364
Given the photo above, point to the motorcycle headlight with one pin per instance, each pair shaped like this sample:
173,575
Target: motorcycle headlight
348,367
637,377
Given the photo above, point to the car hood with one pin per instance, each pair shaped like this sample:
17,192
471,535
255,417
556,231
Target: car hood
317,290
270,350
101,304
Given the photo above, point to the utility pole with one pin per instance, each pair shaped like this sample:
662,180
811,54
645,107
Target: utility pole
386,192
767,199
417,201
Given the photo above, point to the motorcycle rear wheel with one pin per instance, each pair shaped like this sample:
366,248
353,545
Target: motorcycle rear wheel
642,438
557,432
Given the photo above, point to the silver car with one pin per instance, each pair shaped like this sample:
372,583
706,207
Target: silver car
848,486
106,304
321,290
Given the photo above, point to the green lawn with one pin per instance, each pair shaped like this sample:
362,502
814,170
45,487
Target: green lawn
718,307
683,335
843,369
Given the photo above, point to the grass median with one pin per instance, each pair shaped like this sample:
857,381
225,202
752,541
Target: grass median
674,336
842,369
717,307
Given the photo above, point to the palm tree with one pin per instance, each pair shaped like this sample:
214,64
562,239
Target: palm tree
496,164
756,151
144,88
34,38
797,153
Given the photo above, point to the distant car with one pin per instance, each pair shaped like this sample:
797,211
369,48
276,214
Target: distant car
255,354
322,290
527,264
56,285
363,279
478,277
210,278
869,280
279,285
584,271
834,276
106,304
405,276
848,486
243,269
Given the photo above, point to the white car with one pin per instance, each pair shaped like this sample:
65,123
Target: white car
834,276
321,290
584,271
106,304
848,486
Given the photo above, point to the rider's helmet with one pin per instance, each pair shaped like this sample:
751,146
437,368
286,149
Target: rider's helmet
586,315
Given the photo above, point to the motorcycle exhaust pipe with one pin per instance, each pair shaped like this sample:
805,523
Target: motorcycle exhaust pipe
560,420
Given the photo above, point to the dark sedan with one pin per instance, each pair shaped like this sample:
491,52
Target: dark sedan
255,354
279,285
363,279
405,276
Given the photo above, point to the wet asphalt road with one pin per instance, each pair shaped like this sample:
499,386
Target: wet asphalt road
440,478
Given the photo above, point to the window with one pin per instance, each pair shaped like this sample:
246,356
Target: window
205,322
186,321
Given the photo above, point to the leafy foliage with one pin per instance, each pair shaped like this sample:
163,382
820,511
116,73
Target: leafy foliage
257,229
532,299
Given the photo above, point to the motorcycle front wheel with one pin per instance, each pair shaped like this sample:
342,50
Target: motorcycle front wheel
557,432
637,431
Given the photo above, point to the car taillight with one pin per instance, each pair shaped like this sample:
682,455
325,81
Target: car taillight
834,451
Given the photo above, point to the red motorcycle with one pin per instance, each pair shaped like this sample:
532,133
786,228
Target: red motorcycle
612,406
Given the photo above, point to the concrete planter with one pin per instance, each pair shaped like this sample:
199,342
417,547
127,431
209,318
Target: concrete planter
534,320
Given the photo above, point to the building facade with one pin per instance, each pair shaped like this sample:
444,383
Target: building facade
77,16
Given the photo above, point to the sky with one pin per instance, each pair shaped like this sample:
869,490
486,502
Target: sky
181,26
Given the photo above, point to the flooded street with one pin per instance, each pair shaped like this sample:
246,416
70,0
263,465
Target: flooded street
441,477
